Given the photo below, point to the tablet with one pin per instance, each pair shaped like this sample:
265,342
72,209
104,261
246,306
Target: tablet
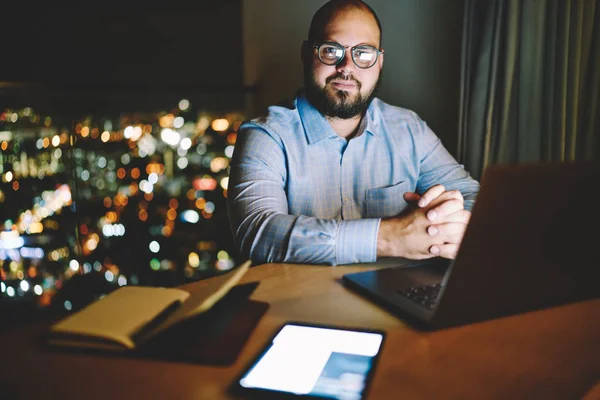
316,361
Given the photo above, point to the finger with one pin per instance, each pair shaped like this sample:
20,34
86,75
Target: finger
431,194
448,195
455,194
449,231
462,216
410,197
444,209
449,250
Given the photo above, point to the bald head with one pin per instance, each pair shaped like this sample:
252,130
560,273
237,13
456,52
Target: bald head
333,7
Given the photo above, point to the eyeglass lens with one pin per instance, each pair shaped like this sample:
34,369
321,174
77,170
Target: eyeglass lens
363,56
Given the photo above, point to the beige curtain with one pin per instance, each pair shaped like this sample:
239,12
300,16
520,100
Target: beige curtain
530,82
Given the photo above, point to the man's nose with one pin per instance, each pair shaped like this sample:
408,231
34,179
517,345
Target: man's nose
346,65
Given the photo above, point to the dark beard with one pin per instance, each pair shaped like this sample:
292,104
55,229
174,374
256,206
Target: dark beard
339,106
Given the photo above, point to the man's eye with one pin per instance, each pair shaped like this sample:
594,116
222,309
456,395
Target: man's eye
363,55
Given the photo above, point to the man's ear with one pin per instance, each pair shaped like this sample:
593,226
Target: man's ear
381,59
304,52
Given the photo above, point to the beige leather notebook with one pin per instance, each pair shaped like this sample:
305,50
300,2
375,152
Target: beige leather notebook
130,315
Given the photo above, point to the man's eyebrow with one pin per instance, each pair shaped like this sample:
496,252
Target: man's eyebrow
354,45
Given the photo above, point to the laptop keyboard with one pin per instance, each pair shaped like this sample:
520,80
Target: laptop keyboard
425,296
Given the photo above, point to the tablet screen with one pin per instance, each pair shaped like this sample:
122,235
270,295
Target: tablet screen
316,361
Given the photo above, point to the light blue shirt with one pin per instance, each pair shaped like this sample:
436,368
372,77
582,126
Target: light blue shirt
299,193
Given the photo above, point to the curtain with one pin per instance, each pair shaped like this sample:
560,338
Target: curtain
530,82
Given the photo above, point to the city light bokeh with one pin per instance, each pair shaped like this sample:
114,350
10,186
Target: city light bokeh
93,203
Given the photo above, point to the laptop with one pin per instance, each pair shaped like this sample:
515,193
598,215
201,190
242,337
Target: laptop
532,243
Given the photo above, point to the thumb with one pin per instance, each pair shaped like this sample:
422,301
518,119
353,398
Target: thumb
410,197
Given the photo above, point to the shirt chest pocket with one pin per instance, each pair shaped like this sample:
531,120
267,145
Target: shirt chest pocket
386,201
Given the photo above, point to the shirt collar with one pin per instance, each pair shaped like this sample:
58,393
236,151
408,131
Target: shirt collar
316,126
373,117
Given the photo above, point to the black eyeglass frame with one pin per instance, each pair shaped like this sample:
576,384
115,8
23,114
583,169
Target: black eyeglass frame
378,52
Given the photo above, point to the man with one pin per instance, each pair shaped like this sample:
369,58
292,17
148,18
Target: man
338,176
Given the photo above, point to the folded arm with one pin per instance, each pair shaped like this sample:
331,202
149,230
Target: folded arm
444,196
438,167
258,212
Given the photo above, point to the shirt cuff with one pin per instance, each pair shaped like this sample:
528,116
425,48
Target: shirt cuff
357,241
468,205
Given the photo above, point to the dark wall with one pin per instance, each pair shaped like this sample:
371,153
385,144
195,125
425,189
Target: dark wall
105,51
197,43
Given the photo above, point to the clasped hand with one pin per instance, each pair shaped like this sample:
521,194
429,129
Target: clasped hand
433,226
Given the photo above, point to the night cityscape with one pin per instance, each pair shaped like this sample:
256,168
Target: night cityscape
116,133
96,203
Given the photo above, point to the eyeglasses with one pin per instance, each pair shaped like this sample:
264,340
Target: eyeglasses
364,56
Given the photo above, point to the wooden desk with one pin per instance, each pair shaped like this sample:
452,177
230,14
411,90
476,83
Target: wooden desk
549,354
